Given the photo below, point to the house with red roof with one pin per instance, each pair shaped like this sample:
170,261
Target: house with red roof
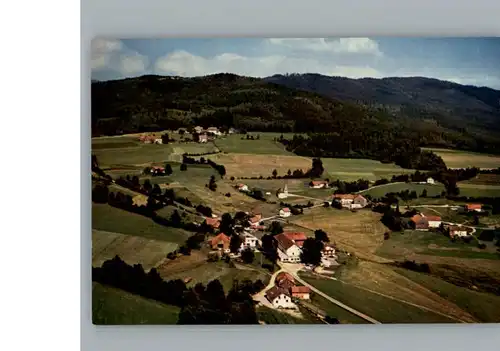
285,212
213,222
473,207
220,242
300,292
297,237
419,222
288,251
318,184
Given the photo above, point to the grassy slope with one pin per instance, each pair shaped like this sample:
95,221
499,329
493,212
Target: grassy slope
107,218
481,305
112,306
383,309
382,190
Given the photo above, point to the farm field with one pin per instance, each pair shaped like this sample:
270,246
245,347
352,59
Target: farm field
382,190
381,308
360,233
386,281
132,153
351,169
111,219
464,159
203,272
478,190
271,316
403,245
264,146
476,303
112,306
484,179
131,249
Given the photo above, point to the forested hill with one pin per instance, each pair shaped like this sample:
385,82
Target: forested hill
453,105
150,103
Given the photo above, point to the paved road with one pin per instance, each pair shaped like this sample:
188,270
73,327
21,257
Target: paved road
293,272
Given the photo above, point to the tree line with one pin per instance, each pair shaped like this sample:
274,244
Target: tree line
199,304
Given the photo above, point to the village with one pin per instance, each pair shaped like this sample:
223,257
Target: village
285,292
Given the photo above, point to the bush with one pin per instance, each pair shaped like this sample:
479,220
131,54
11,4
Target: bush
387,235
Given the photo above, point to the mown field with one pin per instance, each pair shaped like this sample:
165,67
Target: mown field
410,242
112,306
353,169
127,151
376,306
110,219
464,159
382,190
360,233
131,249
264,146
479,304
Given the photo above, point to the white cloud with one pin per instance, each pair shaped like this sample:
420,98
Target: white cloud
183,63
338,46
113,55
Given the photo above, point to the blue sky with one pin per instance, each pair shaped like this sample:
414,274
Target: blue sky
474,61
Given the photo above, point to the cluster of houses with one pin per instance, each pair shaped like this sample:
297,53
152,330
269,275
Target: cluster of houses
285,290
289,245
150,139
351,201
423,222
204,135
221,242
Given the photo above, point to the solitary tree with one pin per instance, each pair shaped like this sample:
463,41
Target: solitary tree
247,255
321,235
275,228
311,251
235,243
275,173
183,167
168,169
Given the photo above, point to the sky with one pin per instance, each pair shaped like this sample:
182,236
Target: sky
471,61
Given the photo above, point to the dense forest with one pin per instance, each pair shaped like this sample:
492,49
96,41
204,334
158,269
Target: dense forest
472,111
151,103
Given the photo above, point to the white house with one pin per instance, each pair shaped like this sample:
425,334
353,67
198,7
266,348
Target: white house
458,230
434,221
249,241
158,141
285,212
198,129
214,130
351,201
284,193
430,181
242,187
318,184
280,298
288,251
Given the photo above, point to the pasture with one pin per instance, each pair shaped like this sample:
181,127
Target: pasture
386,281
381,308
464,159
127,151
478,190
237,143
410,242
201,271
382,190
360,233
351,169
111,219
131,249
478,304
112,306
